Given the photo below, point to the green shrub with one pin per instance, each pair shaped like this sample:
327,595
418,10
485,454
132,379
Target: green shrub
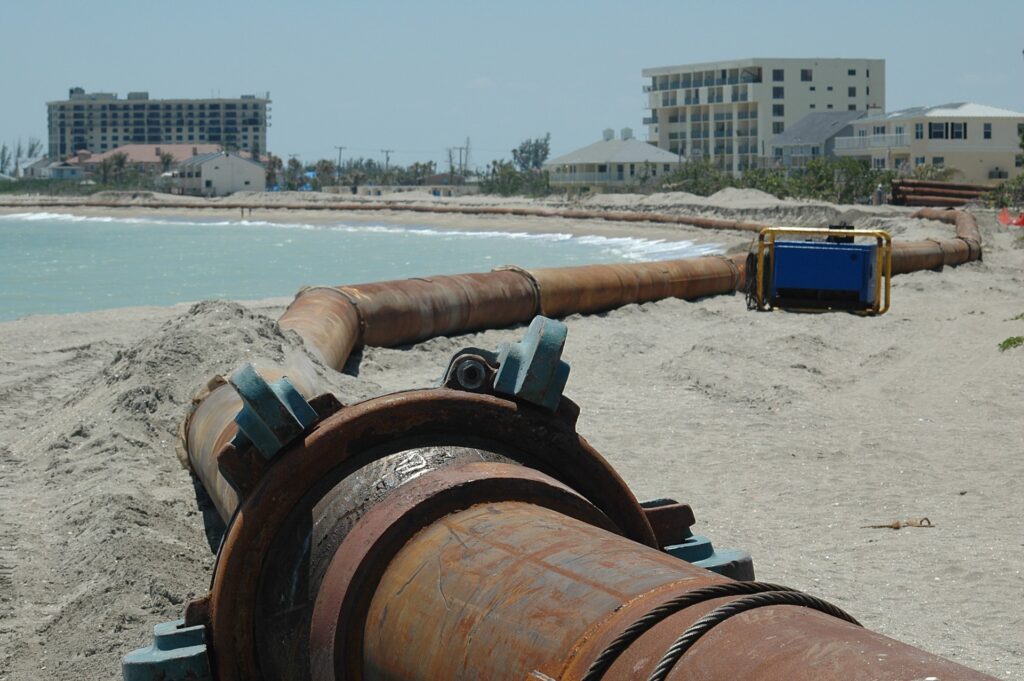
1011,342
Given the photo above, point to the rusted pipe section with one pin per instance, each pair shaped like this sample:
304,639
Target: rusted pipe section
596,288
514,590
933,254
409,310
333,322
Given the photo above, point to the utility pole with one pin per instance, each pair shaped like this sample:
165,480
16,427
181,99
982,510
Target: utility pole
387,161
337,169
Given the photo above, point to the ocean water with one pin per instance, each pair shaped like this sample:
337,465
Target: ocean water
54,263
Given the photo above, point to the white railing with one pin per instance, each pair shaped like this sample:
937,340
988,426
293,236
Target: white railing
873,142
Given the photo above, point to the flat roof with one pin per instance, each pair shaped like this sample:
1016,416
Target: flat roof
749,61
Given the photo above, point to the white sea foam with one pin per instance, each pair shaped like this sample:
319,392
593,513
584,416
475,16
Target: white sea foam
627,248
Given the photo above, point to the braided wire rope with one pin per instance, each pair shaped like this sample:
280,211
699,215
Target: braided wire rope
724,612
602,662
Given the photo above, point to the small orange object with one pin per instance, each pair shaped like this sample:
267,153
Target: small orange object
1004,216
1019,221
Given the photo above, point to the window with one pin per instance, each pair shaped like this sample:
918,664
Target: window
778,92
958,131
867,90
936,131
778,75
867,73
851,72
806,75
878,163
851,91
919,131
938,161
863,132
987,132
778,127
813,89
919,160
778,109
829,106
898,130
1020,161
602,168
878,130
208,184
829,88
851,107
814,106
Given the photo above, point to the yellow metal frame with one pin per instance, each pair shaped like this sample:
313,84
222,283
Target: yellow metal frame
883,264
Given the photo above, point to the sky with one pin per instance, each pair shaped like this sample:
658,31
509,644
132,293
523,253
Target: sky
420,77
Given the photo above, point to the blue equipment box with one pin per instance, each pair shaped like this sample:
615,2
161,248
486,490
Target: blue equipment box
824,273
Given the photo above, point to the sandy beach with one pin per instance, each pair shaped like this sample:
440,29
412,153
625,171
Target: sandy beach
789,434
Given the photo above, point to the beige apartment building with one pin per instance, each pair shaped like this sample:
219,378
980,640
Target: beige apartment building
982,143
729,111
100,121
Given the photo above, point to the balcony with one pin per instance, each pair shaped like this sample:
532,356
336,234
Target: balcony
650,120
872,142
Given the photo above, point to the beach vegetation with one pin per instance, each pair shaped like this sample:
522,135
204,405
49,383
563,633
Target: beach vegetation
1009,194
505,179
1011,342
839,180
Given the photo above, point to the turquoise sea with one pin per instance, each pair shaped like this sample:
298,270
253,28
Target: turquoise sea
54,263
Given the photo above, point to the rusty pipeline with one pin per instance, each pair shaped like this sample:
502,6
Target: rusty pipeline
453,533
335,321
465,532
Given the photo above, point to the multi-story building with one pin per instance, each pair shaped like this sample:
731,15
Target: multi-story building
100,121
982,143
729,111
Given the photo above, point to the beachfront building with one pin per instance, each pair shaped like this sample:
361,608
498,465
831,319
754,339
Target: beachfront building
729,111
611,163
813,136
100,121
218,174
982,143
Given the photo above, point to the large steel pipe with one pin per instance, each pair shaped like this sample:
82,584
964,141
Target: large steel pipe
513,590
446,534
410,310
596,288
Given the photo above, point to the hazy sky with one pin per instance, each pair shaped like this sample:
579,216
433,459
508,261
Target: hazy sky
418,77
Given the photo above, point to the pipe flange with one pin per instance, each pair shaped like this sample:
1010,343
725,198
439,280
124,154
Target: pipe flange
379,427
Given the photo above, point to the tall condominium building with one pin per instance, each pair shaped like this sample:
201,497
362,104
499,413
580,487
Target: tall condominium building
99,121
729,111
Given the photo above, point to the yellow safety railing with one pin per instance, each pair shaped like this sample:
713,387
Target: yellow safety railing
883,263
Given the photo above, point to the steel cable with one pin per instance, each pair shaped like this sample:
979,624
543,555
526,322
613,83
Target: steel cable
724,612
670,607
